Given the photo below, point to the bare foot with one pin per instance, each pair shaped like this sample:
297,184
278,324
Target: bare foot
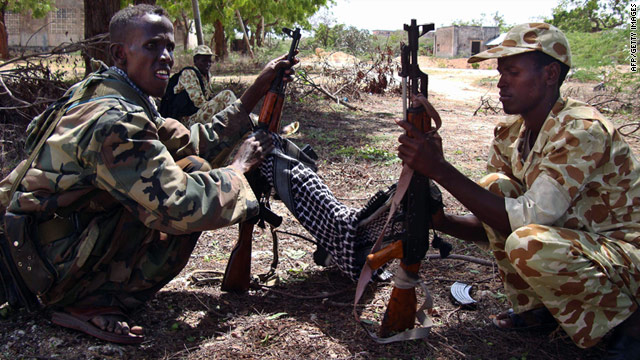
116,324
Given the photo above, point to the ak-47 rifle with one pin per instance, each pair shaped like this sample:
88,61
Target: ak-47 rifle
417,201
237,275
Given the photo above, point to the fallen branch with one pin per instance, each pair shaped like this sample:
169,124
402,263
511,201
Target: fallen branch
308,81
305,297
462,257
487,105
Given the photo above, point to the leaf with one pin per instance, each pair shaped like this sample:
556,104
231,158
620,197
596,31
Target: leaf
295,254
276,315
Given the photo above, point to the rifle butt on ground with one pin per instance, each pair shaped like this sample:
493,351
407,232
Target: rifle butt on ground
401,309
237,275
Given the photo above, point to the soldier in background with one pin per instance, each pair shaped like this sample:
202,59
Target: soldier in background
113,201
189,95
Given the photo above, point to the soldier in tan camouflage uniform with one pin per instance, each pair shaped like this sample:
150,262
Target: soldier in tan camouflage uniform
189,81
117,196
561,205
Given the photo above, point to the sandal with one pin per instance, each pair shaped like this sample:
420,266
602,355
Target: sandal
80,319
529,320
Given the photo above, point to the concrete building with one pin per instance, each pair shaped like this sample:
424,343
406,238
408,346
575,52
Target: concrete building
462,41
65,24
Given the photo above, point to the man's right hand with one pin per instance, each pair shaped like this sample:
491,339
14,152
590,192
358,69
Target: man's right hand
252,152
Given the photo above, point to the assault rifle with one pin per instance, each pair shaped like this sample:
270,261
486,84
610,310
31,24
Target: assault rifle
237,275
417,202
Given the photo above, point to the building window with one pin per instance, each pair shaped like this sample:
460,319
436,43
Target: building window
475,47
12,23
63,20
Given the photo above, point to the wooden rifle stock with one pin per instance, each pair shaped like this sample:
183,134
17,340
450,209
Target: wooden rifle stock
271,111
237,275
402,306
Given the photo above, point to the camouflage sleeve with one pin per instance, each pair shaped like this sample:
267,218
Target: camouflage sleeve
139,170
189,82
223,133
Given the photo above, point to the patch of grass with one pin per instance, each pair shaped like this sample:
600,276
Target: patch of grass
586,75
367,152
589,50
322,136
489,81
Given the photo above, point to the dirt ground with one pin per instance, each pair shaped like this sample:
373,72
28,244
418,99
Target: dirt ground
306,314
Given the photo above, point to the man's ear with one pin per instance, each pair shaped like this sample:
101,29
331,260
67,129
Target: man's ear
552,74
118,54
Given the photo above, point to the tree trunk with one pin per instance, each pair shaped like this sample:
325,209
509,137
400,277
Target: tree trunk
97,14
185,29
221,45
244,31
196,17
260,32
4,41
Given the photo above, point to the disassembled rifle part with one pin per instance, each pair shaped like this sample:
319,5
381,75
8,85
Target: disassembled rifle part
460,292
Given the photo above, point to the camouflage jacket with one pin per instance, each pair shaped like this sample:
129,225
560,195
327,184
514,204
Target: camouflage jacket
189,82
113,145
579,174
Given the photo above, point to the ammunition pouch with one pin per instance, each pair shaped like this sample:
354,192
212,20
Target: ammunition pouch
25,272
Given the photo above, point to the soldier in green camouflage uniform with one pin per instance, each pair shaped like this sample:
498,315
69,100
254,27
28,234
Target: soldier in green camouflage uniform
118,194
561,205
189,81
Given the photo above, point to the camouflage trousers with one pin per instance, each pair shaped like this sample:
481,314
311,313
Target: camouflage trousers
210,108
589,282
124,264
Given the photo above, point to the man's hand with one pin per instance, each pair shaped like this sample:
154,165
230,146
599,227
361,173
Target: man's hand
252,152
422,152
263,82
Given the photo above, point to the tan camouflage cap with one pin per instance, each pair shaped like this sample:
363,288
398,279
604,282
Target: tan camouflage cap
202,50
530,37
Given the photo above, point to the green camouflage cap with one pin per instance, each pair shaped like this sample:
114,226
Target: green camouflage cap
202,50
530,37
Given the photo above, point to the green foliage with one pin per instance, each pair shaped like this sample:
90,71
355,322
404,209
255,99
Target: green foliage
495,19
342,38
259,17
589,15
598,49
38,8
